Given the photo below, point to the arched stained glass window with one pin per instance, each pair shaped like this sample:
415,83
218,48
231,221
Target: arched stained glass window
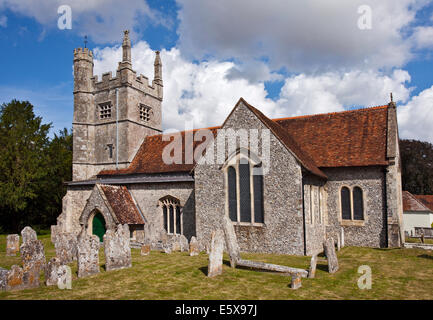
345,203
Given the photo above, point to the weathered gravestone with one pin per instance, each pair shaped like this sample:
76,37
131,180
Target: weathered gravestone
145,250
33,252
338,242
64,277
296,282
331,255
194,249
12,244
313,266
3,279
184,245
87,254
175,245
51,272
22,278
66,247
231,241
28,234
167,248
342,237
215,266
117,248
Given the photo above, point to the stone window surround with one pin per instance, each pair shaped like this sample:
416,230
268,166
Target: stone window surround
144,112
105,110
170,201
233,161
320,197
352,221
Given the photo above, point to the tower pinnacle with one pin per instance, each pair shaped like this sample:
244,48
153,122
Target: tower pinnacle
158,69
126,45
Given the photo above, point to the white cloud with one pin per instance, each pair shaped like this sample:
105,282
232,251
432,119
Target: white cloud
3,21
416,117
309,35
101,20
423,37
206,93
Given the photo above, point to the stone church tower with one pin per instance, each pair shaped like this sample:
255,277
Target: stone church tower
112,116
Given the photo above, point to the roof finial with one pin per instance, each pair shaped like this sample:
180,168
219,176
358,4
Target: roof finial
392,100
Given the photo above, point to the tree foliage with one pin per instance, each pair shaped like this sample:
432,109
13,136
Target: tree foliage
417,166
32,168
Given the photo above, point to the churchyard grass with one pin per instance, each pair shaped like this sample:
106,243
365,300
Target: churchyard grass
396,273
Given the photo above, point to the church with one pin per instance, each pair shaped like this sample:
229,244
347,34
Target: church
286,184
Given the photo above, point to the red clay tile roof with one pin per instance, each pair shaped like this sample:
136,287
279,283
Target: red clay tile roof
122,204
340,139
426,200
413,203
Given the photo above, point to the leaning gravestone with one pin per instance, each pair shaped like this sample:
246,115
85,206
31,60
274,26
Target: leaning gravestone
313,265
215,266
231,241
12,244
87,254
66,247
117,248
331,255
28,234
194,249
33,252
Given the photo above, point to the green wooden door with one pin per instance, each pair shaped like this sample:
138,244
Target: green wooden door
98,226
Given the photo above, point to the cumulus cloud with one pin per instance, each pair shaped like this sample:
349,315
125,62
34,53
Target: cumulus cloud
206,91
423,37
416,117
102,20
311,35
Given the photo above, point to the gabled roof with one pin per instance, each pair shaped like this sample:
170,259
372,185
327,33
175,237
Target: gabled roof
339,139
122,204
413,203
426,200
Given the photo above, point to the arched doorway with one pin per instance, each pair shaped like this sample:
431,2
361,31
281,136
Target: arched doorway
98,226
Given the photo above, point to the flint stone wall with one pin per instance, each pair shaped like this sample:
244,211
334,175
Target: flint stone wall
117,248
282,231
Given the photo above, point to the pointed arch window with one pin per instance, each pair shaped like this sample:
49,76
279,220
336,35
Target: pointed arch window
172,215
352,203
244,194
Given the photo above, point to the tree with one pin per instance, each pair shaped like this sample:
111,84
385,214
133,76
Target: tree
417,166
23,160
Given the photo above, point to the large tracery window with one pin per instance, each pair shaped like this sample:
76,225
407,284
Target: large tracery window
171,215
352,203
244,179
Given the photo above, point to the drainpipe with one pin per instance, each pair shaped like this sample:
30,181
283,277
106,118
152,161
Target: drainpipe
117,128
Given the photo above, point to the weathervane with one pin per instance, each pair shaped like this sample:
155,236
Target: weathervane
85,41
392,100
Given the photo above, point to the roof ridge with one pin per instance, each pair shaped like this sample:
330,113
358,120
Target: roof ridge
413,196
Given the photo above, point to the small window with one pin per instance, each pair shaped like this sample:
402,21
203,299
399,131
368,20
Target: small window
358,204
171,221
345,204
110,150
105,110
258,196
233,202
144,112
171,214
245,199
164,217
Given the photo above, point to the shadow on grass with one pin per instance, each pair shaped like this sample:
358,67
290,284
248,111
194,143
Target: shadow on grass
425,256
204,270
323,267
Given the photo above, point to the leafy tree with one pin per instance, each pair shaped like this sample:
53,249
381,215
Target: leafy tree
417,166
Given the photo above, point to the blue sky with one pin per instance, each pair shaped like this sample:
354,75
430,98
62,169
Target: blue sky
286,58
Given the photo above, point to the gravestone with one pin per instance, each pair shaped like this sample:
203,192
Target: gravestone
184,245
51,272
231,241
117,248
66,247
338,242
15,279
167,248
87,254
296,282
342,237
145,250
28,234
32,251
331,255
215,266
64,277
12,244
3,279
194,249
31,274
313,265
175,245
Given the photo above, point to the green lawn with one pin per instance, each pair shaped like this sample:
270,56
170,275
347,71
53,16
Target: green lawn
397,274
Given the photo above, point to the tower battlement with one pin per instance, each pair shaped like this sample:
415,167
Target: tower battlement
83,53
